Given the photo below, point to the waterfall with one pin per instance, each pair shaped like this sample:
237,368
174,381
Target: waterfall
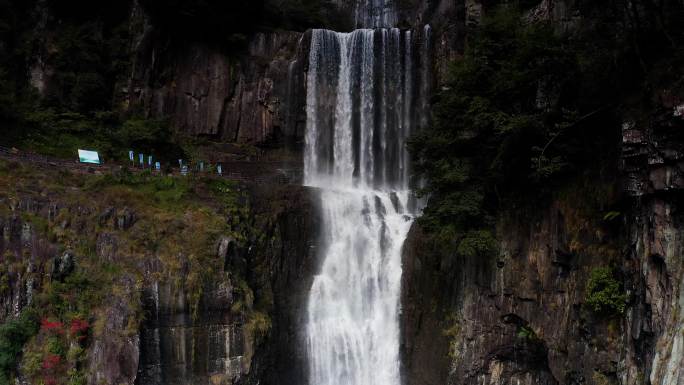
375,14
363,96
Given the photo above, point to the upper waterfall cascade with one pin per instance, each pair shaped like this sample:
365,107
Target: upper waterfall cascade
365,92
375,14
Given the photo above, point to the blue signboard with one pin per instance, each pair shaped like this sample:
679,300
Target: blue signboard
131,155
219,169
85,156
142,159
157,166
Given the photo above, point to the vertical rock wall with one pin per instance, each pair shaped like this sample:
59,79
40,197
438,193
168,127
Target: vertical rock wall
251,97
522,317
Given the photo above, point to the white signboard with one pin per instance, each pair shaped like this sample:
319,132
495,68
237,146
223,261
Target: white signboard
85,156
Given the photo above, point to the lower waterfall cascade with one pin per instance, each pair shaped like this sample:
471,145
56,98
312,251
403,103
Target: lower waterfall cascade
365,92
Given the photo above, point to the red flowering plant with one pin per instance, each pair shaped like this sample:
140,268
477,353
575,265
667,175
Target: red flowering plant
51,361
51,327
51,368
79,329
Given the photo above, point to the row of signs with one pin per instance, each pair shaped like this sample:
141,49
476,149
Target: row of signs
92,157
141,158
183,167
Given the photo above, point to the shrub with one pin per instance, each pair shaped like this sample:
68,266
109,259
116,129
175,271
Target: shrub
477,244
604,294
53,327
13,335
79,328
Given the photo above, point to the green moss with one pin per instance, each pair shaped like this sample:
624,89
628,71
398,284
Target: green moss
604,293
39,223
76,377
601,379
258,324
452,332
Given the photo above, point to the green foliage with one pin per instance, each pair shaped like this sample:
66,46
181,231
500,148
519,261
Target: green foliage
143,132
604,293
527,108
235,204
166,192
77,295
611,215
38,222
479,243
56,346
488,125
225,190
83,58
258,324
13,335
87,52
526,333
60,134
76,377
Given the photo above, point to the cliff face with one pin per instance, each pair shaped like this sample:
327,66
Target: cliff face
251,97
246,88
218,344
257,95
166,296
523,316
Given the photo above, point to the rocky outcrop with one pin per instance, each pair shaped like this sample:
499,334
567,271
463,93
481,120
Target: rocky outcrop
653,150
253,95
653,164
288,260
257,95
522,316
164,319
218,343
182,345
518,317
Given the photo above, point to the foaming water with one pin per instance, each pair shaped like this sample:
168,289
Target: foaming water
360,111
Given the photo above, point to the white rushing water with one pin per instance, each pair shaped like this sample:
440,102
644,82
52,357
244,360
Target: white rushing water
375,14
360,112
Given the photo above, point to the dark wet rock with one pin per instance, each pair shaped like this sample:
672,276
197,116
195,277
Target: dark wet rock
107,247
653,154
225,247
520,317
257,97
63,266
113,356
124,219
106,215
